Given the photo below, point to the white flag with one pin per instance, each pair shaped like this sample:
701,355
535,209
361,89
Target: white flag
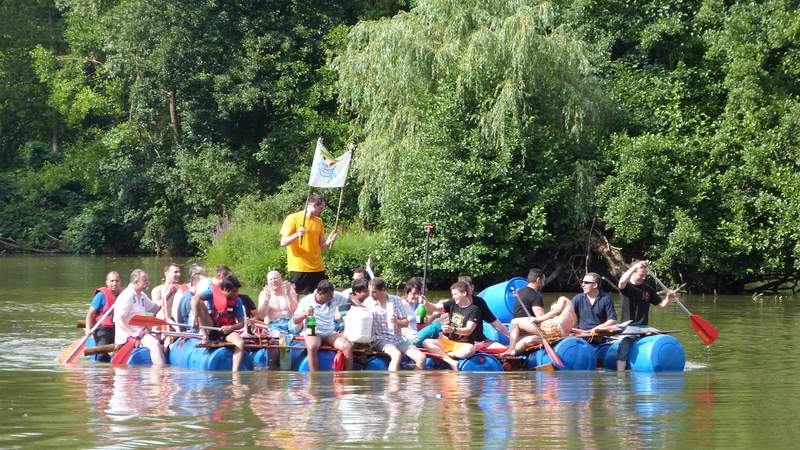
328,171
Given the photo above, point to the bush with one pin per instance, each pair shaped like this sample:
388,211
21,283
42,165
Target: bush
252,249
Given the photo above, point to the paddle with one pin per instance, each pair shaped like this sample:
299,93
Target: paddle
547,348
98,350
123,354
704,330
428,230
73,353
148,321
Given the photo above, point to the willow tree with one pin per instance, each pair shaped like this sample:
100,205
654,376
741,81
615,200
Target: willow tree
478,116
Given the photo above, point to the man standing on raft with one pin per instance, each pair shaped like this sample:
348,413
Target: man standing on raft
134,302
303,235
637,296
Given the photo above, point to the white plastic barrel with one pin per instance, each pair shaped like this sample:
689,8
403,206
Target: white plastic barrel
358,325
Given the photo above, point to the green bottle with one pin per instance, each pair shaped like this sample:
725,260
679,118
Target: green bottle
421,313
311,324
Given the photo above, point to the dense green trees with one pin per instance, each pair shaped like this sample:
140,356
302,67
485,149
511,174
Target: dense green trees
518,127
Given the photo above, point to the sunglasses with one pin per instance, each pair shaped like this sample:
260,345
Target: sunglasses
588,282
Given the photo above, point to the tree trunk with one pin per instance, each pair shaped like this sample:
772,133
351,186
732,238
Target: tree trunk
612,255
175,120
56,136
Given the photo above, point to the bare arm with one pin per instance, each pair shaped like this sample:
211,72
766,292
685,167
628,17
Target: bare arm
623,280
90,315
325,244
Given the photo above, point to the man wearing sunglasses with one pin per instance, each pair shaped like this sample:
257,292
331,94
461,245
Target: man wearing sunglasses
593,307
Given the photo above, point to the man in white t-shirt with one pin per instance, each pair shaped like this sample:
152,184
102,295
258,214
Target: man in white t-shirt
322,304
134,302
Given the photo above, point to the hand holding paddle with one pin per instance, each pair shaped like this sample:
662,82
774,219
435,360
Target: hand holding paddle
73,353
148,321
547,348
704,330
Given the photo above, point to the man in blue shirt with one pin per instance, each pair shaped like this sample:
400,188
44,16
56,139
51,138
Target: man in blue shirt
220,306
593,307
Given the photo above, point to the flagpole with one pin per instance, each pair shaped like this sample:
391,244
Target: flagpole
305,213
351,148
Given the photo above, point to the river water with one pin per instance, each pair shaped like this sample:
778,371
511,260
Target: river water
741,393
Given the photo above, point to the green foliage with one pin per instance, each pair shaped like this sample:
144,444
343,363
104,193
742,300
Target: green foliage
474,116
252,249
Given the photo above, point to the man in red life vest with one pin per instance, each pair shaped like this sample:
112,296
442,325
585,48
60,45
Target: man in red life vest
220,306
104,298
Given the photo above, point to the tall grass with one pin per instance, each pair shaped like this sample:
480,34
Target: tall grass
251,249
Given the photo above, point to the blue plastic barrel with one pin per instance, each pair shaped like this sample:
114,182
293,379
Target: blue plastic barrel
140,357
325,361
480,362
494,335
657,353
260,357
222,359
180,352
501,299
575,353
377,363
102,357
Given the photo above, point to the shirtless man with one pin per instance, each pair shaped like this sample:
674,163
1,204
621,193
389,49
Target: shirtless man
169,292
555,324
277,303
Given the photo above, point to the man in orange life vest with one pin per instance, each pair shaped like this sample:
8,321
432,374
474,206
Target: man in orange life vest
103,300
224,309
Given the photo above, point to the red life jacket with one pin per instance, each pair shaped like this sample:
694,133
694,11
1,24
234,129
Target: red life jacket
223,309
110,296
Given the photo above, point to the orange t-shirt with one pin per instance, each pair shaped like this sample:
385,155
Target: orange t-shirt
305,257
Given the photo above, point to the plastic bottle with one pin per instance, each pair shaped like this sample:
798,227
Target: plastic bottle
311,324
390,316
421,313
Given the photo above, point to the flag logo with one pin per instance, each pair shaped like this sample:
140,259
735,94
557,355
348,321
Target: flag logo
328,171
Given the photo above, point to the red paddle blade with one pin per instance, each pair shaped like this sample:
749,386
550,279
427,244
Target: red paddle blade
123,353
338,361
146,321
705,331
553,355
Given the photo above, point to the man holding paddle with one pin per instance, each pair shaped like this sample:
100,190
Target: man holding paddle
220,307
637,296
134,302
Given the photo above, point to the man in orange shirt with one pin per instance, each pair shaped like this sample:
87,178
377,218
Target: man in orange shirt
305,241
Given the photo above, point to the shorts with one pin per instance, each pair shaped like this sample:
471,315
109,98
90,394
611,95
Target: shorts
284,326
380,345
306,282
103,336
449,346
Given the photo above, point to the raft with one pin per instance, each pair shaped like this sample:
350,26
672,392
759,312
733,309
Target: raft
655,353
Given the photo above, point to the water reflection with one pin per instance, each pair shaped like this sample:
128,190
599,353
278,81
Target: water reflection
168,407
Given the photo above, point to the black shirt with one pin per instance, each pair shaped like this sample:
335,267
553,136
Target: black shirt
459,316
636,301
530,297
486,313
248,304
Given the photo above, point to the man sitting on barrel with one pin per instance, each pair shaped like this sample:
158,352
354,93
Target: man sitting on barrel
220,306
316,313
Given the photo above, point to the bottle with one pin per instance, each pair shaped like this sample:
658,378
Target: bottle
390,316
421,313
311,324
